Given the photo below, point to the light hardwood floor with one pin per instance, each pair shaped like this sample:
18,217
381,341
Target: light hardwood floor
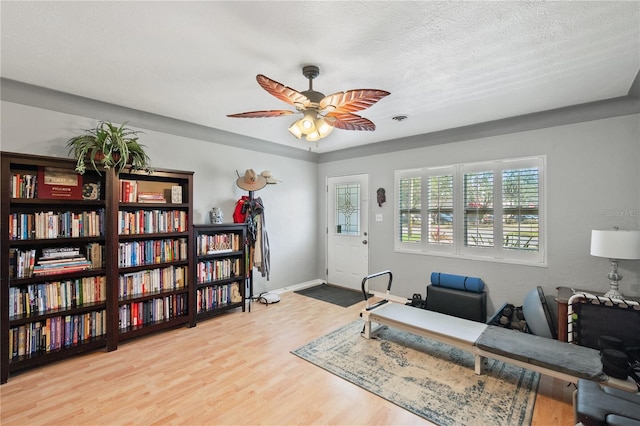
232,369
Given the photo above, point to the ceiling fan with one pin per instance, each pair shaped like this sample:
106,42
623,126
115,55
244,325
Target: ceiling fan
320,113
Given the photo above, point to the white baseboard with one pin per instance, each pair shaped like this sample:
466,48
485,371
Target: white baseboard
296,287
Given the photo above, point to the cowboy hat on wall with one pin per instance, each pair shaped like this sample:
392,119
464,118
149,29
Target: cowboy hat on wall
269,177
251,181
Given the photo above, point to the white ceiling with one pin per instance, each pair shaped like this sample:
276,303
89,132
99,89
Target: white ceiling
446,64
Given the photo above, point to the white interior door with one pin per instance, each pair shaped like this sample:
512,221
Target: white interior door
348,230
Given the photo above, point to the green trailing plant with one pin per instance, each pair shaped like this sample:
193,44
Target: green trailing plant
109,147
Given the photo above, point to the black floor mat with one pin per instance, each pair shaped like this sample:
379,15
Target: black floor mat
333,294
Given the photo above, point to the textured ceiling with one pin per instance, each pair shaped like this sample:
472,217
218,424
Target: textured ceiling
446,64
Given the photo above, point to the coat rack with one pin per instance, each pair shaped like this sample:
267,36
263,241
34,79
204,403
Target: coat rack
252,182
252,245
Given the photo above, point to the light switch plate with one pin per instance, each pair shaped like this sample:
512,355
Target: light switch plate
378,217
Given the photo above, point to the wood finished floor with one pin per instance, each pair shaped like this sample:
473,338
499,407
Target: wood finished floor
231,370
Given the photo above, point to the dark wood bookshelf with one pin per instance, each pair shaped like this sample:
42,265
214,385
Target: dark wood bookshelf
107,311
234,254
40,349
160,182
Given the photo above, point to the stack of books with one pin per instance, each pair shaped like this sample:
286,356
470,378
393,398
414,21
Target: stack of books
61,260
151,197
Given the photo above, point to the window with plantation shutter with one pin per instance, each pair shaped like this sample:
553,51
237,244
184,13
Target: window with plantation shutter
486,211
410,213
520,209
440,207
478,209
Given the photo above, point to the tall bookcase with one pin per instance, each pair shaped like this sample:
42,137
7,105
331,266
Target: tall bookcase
80,254
54,279
152,216
220,274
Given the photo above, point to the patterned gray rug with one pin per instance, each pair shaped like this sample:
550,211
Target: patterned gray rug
430,379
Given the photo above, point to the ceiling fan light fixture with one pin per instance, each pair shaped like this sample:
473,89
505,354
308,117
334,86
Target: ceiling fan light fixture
308,122
312,137
294,129
324,128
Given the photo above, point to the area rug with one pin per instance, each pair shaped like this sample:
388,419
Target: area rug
333,294
433,380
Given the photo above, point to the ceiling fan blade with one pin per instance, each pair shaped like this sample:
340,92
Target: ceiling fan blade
261,114
348,121
282,92
352,100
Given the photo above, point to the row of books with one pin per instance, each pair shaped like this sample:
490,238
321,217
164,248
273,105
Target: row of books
150,252
214,297
219,243
152,311
95,254
128,191
129,194
21,263
151,221
40,298
211,270
50,224
152,280
24,185
55,333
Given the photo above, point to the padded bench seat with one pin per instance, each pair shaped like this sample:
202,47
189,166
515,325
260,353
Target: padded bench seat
553,358
571,360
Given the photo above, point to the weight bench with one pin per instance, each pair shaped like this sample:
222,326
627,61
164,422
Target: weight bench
557,359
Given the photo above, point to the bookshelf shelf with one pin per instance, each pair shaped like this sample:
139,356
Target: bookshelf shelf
220,269
132,332
34,360
22,319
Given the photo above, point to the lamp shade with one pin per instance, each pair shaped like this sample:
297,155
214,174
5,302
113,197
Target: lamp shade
615,244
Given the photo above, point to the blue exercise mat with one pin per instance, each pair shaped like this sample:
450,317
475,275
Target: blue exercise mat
457,282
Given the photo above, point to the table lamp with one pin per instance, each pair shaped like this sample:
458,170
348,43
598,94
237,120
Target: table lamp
615,244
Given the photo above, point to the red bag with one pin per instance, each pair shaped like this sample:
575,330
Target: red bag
240,212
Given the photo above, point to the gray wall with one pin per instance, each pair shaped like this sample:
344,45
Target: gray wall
593,182
592,173
291,213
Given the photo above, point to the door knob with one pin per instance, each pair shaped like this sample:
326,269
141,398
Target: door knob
364,241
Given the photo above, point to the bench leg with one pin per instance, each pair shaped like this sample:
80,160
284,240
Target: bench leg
479,361
366,333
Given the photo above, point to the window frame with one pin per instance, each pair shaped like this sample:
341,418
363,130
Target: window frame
458,249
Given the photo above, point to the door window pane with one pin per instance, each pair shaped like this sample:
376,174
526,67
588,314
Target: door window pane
348,209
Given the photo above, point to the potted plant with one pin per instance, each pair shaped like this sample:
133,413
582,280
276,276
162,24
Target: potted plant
109,146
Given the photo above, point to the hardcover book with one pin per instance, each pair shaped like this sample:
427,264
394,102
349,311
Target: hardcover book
57,183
